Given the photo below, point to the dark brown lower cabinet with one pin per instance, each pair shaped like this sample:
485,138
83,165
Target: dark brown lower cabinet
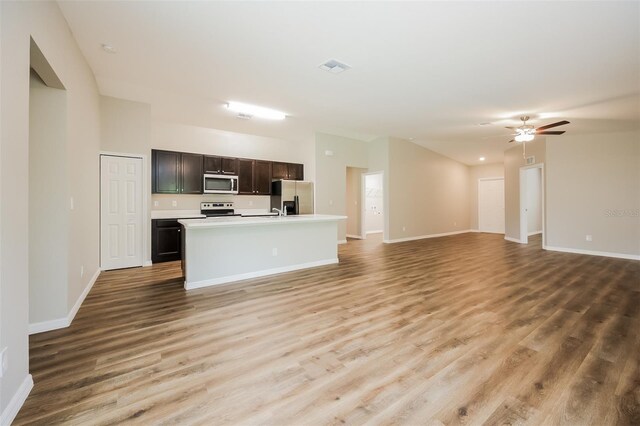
166,240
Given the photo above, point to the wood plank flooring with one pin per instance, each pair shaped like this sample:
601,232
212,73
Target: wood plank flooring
467,329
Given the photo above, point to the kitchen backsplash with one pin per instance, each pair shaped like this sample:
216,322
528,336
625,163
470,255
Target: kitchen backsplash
192,202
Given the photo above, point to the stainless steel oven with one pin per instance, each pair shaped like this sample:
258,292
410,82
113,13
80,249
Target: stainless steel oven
220,184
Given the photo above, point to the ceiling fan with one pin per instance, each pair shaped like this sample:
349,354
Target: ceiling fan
527,132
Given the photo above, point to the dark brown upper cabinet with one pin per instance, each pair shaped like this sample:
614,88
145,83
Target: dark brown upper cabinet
296,171
192,179
254,177
220,165
176,172
165,178
290,171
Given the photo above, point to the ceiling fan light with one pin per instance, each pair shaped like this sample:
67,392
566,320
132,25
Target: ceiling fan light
524,137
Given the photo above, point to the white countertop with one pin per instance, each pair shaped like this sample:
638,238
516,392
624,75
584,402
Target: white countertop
176,214
213,222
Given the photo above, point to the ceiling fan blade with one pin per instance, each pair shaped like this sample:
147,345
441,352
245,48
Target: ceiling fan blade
548,126
510,127
551,132
512,140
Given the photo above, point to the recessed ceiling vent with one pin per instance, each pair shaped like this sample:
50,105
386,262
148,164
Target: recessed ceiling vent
334,67
244,116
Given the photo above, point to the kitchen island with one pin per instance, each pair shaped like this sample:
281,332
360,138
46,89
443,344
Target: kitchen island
227,249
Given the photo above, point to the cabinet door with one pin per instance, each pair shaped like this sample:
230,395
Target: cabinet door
296,171
262,177
245,176
165,172
192,179
212,165
279,170
230,166
166,241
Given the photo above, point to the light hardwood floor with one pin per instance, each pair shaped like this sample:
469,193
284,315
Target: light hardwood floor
462,329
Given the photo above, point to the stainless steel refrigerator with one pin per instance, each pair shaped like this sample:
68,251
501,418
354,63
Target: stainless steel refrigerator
294,196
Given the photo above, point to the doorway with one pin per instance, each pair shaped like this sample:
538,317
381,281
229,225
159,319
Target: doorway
372,204
121,212
353,200
491,205
532,202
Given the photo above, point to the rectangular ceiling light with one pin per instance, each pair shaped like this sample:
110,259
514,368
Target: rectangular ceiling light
248,111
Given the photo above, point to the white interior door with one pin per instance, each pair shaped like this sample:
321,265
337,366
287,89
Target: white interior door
120,212
491,205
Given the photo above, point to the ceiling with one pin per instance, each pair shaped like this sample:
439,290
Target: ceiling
426,71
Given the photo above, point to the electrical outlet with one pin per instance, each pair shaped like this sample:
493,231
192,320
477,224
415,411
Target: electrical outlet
174,203
330,202
250,203
589,238
71,206
404,228
82,271
156,203
274,251
4,362
455,223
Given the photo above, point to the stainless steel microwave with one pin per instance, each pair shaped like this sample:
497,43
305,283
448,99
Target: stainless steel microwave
220,184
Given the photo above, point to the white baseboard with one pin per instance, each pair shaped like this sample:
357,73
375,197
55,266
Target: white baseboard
422,237
17,401
257,274
147,263
593,252
375,232
55,324
357,237
342,241
513,240
535,233
474,230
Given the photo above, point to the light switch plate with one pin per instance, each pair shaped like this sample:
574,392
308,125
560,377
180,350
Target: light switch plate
4,364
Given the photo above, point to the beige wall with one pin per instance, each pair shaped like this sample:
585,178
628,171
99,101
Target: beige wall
428,192
48,201
513,161
204,140
125,128
476,173
129,127
44,22
353,201
593,188
331,173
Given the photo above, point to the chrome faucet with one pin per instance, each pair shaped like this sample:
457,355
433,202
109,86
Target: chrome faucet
280,212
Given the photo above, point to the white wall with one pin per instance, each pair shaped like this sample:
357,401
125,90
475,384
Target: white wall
374,207
593,188
534,200
476,173
44,22
48,202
